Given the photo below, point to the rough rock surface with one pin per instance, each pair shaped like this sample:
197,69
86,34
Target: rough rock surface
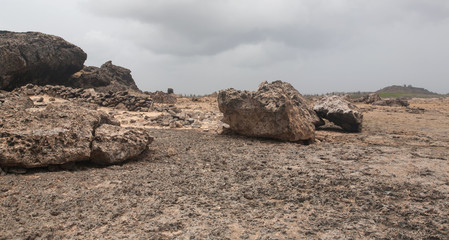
341,112
392,102
37,58
58,134
108,77
369,98
276,110
161,97
123,99
114,144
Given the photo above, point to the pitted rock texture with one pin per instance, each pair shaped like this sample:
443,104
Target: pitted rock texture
108,77
37,58
276,110
114,144
123,99
60,133
341,112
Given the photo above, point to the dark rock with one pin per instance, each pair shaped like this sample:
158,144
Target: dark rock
108,77
275,110
393,102
37,58
369,98
341,112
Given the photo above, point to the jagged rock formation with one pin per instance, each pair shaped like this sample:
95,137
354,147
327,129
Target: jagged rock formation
341,112
37,58
61,133
108,77
276,110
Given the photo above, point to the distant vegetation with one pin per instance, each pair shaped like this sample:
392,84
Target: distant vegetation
407,91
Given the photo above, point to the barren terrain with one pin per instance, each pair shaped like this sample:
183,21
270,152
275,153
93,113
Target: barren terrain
389,182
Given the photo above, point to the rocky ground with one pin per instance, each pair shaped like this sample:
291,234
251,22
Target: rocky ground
389,182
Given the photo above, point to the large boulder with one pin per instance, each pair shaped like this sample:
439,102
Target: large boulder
341,112
276,110
108,77
37,58
114,144
62,133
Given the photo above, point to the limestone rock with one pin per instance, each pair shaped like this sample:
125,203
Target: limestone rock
276,110
37,58
341,112
108,77
56,134
114,144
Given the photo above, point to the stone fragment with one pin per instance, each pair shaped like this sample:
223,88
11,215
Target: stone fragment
114,144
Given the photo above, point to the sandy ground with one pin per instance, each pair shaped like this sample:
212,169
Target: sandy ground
389,182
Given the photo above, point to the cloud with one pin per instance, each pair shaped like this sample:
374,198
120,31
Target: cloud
200,46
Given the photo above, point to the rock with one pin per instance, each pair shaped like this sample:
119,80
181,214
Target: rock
393,102
341,112
54,135
369,98
108,77
170,91
114,144
10,102
276,110
37,58
161,97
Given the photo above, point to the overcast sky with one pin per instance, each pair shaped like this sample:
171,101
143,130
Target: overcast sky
201,46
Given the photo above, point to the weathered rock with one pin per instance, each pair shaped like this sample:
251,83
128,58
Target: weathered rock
114,144
161,97
276,110
341,112
56,134
108,77
369,98
123,99
37,58
392,102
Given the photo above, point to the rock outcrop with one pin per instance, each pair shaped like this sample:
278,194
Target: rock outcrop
58,134
108,77
341,112
37,58
276,110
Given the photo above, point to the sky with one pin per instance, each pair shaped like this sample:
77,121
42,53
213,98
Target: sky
202,46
